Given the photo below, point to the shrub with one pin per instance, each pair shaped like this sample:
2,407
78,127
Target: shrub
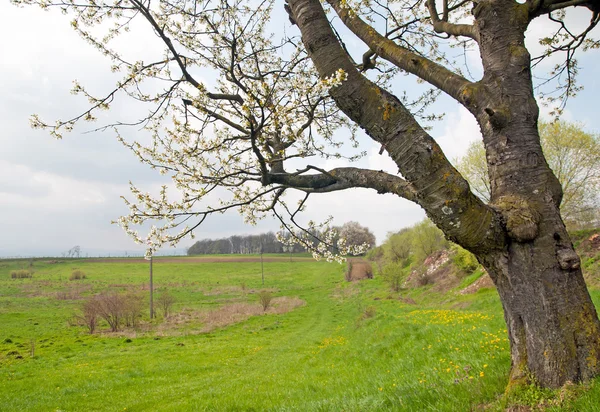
465,260
133,305
165,302
77,275
265,297
393,274
21,274
89,314
111,308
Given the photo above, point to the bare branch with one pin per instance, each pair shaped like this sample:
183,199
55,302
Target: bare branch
443,26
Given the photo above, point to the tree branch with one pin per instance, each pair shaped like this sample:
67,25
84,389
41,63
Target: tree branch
443,26
345,178
540,7
433,73
438,187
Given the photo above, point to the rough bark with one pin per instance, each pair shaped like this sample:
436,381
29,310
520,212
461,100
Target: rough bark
520,237
552,323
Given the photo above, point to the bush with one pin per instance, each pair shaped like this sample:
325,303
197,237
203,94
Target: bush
116,309
465,260
21,274
133,305
77,275
265,297
165,302
393,274
111,308
89,314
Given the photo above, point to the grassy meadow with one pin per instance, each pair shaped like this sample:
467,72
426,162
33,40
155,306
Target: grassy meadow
324,345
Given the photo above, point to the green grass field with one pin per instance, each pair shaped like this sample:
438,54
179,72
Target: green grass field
350,347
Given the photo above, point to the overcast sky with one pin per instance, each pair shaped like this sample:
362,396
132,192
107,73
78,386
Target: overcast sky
58,194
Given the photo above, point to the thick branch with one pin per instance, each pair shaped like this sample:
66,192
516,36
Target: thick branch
439,188
431,72
346,178
541,7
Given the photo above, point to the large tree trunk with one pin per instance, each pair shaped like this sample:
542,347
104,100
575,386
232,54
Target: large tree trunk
520,237
552,323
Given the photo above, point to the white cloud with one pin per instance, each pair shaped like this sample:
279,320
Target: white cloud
460,130
25,188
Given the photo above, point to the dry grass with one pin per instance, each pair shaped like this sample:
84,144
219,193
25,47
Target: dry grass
358,269
226,315
72,292
235,290
342,293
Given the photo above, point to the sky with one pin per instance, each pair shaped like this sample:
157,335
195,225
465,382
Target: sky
56,194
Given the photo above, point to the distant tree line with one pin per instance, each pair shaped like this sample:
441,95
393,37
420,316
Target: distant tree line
354,233
248,244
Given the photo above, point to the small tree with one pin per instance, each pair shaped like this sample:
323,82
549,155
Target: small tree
265,297
398,246
111,308
165,302
89,314
426,239
393,276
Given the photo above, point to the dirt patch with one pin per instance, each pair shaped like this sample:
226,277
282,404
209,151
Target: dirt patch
201,259
483,282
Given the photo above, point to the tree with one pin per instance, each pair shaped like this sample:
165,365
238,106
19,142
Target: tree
279,100
572,154
426,239
356,235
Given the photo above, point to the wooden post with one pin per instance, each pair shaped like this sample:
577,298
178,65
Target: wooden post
151,292
262,268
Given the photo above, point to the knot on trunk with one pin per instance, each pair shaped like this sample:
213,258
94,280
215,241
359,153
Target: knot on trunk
520,217
568,259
